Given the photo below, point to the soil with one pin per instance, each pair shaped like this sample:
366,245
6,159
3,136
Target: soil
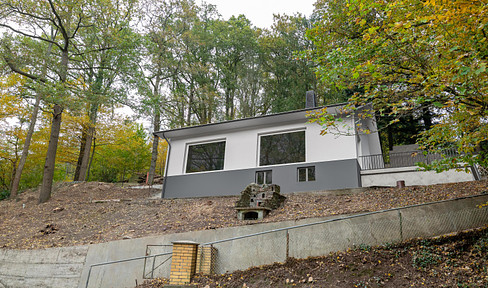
93,212
451,261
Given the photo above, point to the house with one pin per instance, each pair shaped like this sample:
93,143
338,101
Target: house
223,158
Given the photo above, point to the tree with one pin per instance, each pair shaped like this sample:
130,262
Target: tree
288,76
31,22
412,57
122,150
32,124
66,19
109,53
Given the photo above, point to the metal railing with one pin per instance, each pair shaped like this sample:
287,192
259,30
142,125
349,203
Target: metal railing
169,254
321,237
401,159
154,265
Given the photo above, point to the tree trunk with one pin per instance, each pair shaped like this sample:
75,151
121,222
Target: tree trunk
190,103
49,166
48,176
154,155
30,131
88,142
91,160
427,118
86,153
156,125
80,154
25,150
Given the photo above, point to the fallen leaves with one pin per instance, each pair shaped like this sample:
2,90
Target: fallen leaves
97,212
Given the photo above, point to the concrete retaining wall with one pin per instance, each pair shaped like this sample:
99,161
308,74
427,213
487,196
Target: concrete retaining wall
61,267
411,176
54,267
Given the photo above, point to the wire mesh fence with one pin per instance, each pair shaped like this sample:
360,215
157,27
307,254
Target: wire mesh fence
313,239
321,238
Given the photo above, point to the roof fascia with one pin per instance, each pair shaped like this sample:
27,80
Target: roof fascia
242,124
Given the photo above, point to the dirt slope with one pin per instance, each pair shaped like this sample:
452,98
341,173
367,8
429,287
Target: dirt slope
95,212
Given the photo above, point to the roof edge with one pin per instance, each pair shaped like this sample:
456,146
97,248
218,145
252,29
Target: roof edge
161,132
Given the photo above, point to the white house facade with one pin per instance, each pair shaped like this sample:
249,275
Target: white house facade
284,149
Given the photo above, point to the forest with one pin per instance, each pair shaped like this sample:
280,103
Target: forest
67,67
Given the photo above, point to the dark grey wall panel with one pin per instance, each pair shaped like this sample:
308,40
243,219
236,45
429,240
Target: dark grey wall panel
329,175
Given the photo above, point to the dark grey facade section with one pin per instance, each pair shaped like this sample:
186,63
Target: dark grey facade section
329,175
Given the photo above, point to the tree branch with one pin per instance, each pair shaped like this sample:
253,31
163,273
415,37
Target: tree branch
30,35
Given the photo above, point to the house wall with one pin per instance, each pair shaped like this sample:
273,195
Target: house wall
329,175
369,144
242,146
412,176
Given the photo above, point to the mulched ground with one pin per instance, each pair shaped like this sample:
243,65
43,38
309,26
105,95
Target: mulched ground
93,212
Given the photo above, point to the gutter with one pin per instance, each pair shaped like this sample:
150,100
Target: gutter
167,162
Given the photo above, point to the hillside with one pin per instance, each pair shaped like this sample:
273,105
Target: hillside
459,260
84,213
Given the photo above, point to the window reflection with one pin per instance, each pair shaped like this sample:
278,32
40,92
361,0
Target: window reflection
282,148
205,157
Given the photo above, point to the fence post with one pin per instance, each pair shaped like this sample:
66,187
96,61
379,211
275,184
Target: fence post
287,245
401,225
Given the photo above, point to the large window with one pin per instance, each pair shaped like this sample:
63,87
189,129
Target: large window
282,148
205,157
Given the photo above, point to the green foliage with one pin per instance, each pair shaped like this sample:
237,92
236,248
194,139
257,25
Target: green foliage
4,194
411,57
123,156
424,259
288,76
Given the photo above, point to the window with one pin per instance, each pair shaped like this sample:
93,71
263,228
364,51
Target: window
205,157
306,174
264,177
282,148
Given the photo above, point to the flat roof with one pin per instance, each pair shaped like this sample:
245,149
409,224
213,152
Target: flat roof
262,120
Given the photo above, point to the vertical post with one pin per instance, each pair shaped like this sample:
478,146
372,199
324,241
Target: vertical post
401,225
287,245
183,263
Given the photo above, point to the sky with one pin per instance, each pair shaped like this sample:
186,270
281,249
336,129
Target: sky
260,12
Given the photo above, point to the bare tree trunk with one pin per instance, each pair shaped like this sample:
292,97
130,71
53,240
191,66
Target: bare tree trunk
154,154
88,142
190,103
80,154
86,152
49,166
156,126
91,160
25,150
47,178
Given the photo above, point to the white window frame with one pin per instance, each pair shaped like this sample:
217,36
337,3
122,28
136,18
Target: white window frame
286,131
306,173
187,150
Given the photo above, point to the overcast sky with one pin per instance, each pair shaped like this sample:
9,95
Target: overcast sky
260,12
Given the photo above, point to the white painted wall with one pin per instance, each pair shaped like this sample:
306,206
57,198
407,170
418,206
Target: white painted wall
241,150
412,176
369,144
